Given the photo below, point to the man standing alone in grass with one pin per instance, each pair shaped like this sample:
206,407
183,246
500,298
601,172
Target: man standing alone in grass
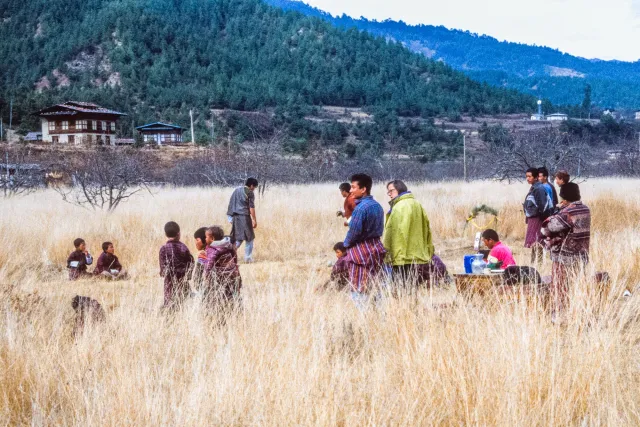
242,216
365,251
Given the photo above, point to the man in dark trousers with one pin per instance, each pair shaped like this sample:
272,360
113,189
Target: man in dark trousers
537,207
242,216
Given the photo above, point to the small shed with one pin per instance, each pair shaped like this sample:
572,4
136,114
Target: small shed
161,133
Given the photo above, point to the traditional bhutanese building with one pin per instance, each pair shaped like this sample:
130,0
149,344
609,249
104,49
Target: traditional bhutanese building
161,133
79,123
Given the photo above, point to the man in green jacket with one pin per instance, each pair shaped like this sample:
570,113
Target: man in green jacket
407,235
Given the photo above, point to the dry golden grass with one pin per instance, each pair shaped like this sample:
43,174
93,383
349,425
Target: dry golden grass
292,357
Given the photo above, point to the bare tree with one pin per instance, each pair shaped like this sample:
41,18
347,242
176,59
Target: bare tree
105,180
548,147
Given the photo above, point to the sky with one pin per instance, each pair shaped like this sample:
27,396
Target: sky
604,29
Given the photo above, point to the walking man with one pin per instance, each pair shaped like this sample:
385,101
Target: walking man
365,252
242,216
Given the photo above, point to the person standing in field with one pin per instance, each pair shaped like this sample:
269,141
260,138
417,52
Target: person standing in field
349,202
365,251
567,235
562,178
543,177
175,264
407,235
537,207
242,216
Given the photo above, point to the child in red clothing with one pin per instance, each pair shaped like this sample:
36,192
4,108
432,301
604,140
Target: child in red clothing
108,265
221,272
500,256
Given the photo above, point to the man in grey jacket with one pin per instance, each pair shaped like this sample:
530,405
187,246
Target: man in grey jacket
242,216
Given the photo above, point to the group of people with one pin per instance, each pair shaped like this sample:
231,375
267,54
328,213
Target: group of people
396,244
214,271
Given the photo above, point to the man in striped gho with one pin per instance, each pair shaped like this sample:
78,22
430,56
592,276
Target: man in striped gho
365,252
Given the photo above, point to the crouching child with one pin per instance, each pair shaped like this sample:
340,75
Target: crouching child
339,280
78,260
175,264
108,265
221,273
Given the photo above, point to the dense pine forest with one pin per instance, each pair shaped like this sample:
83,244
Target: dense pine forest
156,59
538,70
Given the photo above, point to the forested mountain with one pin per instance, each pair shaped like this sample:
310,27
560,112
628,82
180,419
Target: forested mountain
541,71
158,58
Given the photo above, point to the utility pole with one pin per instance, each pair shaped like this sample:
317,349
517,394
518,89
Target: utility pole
464,155
1,133
11,114
193,140
213,127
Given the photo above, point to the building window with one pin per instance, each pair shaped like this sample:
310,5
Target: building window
65,125
113,126
52,126
81,124
104,126
72,124
92,124
107,140
146,138
72,139
55,139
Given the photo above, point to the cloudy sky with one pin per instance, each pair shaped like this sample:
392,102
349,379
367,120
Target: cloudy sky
605,29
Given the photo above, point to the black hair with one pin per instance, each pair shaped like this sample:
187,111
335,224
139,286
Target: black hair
171,229
216,231
251,182
363,180
78,242
105,246
570,192
490,234
345,186
533,171
544,171
339,247
400,186
201,233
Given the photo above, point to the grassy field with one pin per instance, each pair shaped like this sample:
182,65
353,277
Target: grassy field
292,357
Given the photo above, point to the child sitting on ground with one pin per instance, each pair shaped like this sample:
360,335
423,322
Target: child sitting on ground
339,279
222,275
78,260
108,265
175,265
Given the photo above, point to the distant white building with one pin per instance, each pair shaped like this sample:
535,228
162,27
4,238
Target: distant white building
557,117
537,117
637,115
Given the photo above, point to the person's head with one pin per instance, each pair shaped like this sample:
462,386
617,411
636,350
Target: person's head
562,178
345,188
80,244
172,230
214,233
108,248
339,249
361,185
543,175
396,188
490,238
532,175
570,192
252,183
200,236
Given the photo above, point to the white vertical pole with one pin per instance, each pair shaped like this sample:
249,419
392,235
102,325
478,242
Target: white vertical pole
193,140
464,154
